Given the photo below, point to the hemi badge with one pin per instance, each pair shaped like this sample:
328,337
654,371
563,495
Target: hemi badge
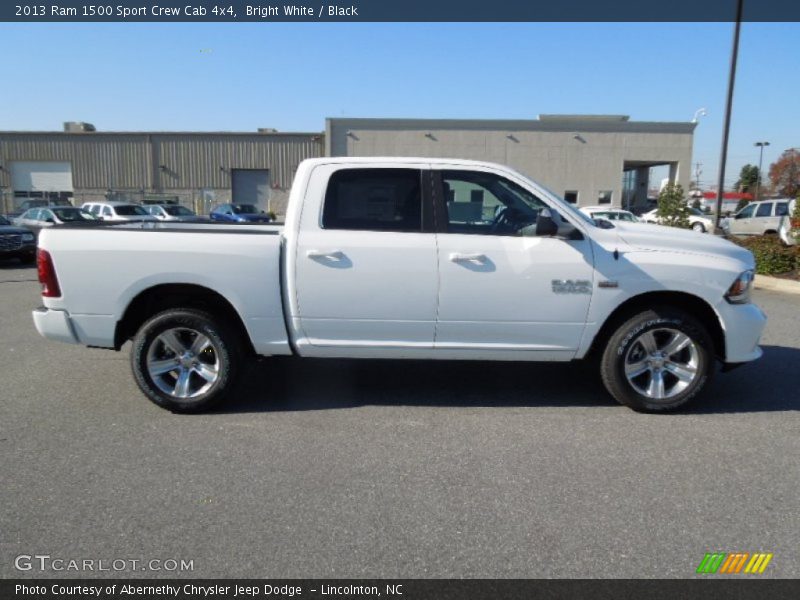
608,284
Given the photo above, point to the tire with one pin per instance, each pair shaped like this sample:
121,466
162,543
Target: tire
205,354
640,345
699,227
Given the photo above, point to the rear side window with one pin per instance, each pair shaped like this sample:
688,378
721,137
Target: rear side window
764,210
374,200
781,209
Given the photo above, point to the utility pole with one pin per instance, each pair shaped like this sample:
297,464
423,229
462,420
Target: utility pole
760,145
697,172
728,106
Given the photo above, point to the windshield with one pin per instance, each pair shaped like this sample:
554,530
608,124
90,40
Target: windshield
178,211
563,204
130,210
244,209
70,215
697,212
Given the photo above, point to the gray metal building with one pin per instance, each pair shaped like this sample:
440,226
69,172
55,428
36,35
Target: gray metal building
589,160
193,168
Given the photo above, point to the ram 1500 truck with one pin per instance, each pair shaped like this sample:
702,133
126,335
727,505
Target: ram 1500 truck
399,258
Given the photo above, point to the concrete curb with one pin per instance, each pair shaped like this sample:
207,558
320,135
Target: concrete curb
774,284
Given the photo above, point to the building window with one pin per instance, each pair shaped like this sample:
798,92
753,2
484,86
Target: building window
604,197
571,196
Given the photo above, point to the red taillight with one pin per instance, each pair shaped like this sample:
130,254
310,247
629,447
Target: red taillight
47,275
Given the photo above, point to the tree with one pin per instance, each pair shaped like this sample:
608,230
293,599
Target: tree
672,207
742,203
748,178
785,173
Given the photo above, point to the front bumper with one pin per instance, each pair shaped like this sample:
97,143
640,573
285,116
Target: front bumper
54,325
743,325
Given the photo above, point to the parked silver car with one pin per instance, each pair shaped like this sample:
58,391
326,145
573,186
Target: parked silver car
117,211
172,212
758,218
37,218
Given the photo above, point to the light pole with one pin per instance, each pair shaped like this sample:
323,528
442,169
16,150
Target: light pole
760,145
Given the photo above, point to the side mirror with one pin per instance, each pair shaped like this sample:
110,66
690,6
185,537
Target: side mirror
545,225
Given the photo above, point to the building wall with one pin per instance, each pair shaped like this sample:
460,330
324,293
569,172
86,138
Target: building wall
587,155
190,166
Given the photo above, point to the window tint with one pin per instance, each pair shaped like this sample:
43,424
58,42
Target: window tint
484,203
781,209
764,209
374,199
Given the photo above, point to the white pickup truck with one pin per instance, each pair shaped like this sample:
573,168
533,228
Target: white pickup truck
400,258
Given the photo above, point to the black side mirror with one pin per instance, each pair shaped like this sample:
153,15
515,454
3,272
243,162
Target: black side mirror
545,225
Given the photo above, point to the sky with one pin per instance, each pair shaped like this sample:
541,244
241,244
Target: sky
291,76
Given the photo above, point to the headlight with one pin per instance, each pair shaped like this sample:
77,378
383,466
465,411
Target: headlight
27,237
739,292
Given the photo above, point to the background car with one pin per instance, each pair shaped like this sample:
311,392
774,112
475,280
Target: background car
698,220
37,218
239,213
609,214
37,203
172,212
758,218
117,211
16,242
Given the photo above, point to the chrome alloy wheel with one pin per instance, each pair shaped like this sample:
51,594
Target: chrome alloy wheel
183,362
661,363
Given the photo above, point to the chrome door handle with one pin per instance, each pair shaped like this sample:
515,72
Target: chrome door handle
329,254
459,257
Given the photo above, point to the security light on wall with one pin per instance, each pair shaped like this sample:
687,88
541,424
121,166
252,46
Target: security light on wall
579,137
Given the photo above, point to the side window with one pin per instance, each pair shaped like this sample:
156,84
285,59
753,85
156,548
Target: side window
487,204
374,200
764,209
33,214
45,214
107,211
746,212
781,209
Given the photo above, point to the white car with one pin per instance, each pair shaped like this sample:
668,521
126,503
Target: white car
117,211
378,259
609,213
698,220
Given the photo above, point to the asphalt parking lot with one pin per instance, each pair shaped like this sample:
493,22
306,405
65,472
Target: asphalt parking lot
393,469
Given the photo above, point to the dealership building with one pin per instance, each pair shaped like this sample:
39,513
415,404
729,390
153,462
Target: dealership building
587,159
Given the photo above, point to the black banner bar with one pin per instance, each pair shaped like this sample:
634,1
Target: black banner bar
740,588
397,10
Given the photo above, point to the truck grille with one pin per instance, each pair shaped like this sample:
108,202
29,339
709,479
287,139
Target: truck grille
10,242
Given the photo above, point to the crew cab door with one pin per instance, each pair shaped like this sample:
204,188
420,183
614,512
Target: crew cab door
365,263
503,289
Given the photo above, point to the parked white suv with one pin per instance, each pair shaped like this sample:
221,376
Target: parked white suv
117,211
758,218
785,227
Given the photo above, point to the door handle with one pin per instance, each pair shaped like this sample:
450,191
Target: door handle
459,257
329,254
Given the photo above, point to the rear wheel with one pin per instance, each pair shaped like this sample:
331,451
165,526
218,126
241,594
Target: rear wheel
185,360
699,227
658,360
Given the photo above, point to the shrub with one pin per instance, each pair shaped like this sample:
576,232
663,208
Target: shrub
672,207
772,257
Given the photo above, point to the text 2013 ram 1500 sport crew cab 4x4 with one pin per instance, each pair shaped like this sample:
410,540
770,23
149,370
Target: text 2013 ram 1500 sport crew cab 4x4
405,258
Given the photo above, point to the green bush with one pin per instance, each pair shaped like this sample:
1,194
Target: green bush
772,257
672,207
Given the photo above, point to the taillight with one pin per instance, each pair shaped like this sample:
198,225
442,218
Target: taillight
47,275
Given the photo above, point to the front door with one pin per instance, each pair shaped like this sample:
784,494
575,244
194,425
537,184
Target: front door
501,287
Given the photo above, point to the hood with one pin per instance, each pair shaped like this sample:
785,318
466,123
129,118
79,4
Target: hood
644,236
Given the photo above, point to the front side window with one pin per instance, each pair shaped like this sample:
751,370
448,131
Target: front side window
746,212
374,200
764,210
485,203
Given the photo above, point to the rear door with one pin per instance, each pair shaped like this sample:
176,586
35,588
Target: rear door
365,262
502,289
764,220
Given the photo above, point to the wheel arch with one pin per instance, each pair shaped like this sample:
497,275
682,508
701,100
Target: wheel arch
694,305
161,297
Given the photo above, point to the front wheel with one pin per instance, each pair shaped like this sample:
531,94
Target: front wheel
185,360
699,227
658,360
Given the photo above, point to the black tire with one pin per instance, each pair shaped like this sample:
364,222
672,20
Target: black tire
699,227
222,356
626,349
